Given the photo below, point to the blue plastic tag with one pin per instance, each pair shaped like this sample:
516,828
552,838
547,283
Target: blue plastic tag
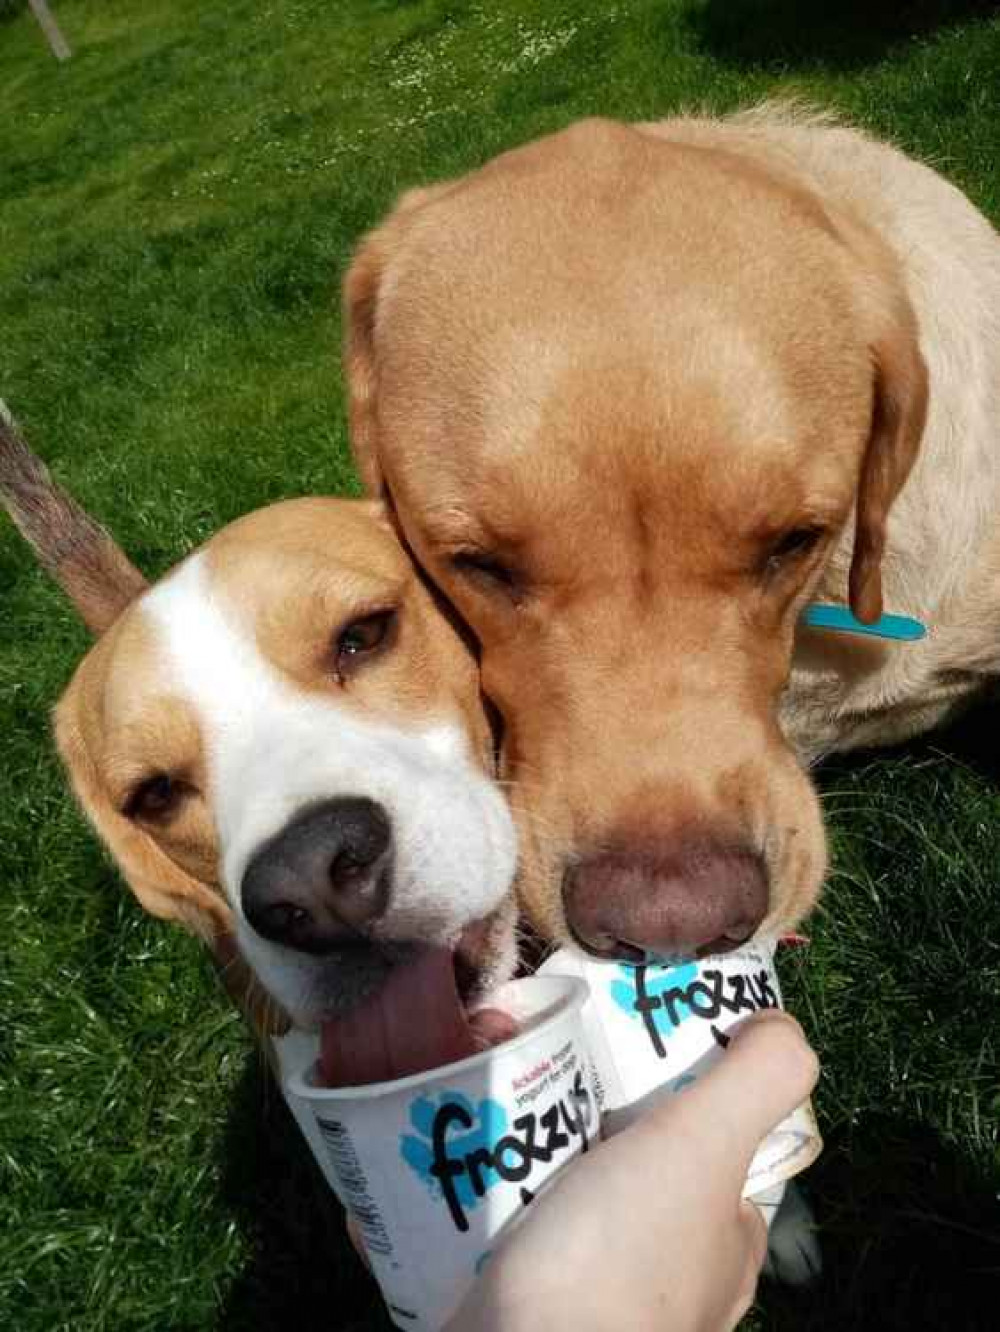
838,618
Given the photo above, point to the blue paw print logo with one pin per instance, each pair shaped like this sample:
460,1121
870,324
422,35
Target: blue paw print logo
489,1123
625,992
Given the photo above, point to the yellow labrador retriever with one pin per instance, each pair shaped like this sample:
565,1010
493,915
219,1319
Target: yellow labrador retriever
636,395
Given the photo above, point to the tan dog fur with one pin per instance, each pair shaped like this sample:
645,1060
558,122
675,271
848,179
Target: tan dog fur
608,382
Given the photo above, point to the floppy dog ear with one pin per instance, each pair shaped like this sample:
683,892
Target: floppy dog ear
77,552
899,414
163,888
362,290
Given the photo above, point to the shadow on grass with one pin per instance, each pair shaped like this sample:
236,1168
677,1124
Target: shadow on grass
972,739
910,1234
969,739
910,1237
302,1273
802,34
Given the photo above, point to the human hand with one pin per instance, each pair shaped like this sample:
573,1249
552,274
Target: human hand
650,1231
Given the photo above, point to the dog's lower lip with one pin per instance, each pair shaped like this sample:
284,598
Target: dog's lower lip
727,942
615,950
466,975
740,935
467,958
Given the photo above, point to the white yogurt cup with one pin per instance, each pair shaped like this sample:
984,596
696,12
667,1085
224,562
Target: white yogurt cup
434,1167
652,1030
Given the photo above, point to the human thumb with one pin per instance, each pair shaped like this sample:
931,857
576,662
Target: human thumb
767,1070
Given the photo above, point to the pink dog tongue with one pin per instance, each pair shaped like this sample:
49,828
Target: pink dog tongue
414,1022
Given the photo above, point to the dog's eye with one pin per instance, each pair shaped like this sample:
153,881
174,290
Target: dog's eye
485,569
154,799
363,637
793,545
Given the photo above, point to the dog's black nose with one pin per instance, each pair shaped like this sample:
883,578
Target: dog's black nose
324,877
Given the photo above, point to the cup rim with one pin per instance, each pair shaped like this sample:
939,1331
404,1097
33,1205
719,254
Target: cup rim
765,943
575,995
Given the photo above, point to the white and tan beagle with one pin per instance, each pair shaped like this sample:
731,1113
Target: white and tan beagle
283,745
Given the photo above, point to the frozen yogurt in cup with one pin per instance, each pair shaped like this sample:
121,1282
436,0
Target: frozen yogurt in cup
435,1166
653,1029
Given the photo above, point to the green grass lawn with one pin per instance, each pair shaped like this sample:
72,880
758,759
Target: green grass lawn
176,206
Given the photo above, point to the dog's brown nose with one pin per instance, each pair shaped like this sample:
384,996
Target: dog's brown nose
325,876
687,900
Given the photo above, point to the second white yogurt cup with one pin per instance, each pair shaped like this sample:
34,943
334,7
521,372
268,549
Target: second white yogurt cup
653,1029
